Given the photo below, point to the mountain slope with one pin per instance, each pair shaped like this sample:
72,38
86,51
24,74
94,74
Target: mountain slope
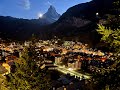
88,10
80,21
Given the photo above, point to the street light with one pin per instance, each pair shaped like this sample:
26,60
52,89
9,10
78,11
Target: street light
70,69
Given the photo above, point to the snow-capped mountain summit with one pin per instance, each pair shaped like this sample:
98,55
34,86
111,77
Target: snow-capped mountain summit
51,15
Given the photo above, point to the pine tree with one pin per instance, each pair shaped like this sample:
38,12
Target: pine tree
3,83
28,76
110,77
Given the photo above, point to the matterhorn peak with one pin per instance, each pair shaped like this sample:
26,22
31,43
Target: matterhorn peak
51,14
51,8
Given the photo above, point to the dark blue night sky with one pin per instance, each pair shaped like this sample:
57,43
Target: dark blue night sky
31,8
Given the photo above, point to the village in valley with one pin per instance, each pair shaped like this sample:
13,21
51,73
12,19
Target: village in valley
71,58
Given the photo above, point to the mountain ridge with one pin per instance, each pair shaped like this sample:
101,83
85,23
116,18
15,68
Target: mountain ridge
11,27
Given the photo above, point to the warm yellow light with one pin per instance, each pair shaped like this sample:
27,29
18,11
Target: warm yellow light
70,69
